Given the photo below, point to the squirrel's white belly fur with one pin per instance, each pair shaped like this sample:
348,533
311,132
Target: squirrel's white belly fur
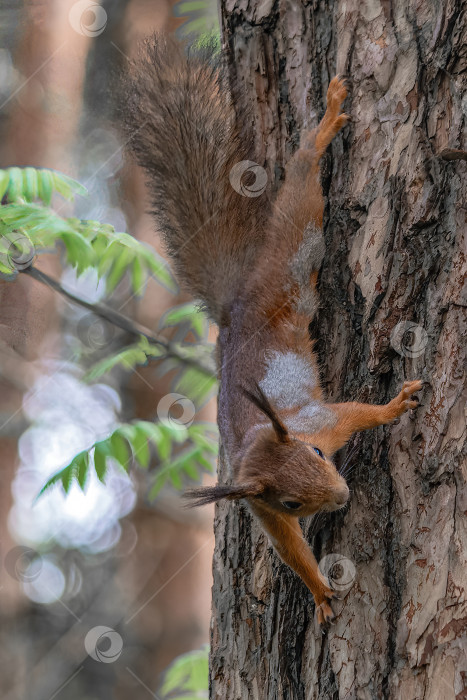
289,379
289,382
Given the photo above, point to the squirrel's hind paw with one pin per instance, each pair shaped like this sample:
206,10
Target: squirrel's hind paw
324,613
337,92
332,121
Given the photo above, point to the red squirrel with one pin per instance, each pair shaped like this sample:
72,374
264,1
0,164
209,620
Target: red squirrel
253,261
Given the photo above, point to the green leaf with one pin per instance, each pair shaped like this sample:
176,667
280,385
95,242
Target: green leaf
175,478
77,470
83,469
152,430
137,277
70,473
118,269
30,184
75,186
128,431
196,385
4,180
121,450
87,243
164,444
130,442
102,450
188,314
159,268
208,466
159,482
79,252
66,186
127,358
190,468
45,186
15,185
187,678
172,469
53,480
6,271
141,447
205,435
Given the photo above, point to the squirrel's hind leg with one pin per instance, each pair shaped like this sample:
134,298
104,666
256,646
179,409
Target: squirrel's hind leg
333,120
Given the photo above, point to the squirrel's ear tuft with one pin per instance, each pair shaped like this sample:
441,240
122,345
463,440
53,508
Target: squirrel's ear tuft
210,494
262,402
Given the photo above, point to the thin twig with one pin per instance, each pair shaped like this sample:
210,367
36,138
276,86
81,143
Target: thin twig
116,318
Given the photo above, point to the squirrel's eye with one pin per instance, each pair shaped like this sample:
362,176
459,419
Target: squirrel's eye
291,505
318,452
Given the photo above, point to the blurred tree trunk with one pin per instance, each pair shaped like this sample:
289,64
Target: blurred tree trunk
39,122
41,117
393,308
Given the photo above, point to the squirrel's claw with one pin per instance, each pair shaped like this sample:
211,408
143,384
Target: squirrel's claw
337,92
333,120
404,401
324,613
409,388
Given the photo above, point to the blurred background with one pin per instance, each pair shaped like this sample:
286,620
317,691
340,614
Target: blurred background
99,591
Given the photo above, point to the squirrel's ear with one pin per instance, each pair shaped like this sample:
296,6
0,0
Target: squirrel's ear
210,494
262,402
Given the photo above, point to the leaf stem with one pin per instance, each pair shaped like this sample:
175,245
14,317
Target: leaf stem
116,318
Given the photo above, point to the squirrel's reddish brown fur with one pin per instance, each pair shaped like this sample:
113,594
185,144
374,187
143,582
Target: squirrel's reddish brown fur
253,261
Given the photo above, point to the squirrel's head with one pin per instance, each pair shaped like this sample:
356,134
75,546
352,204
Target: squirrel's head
283,473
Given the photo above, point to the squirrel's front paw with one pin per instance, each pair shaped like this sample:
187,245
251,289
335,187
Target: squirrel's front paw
324,613
403,402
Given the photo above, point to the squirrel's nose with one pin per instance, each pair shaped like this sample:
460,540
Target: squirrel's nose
342,494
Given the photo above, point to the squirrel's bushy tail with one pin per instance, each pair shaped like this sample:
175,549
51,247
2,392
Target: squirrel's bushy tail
182,127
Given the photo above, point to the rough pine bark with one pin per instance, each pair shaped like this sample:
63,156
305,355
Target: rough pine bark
393,308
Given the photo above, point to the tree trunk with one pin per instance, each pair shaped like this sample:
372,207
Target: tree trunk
393,308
